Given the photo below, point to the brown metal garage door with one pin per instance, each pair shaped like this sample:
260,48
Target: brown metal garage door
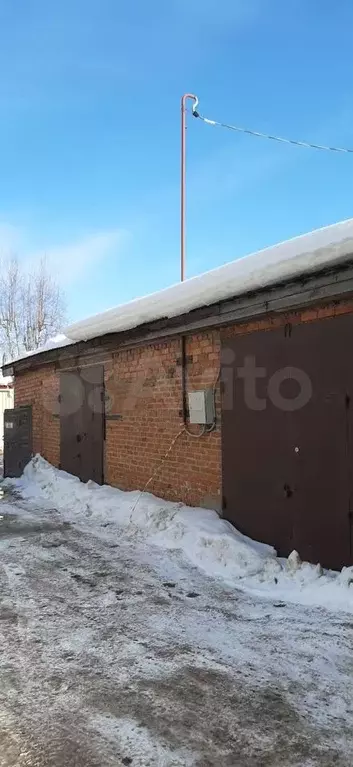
287,438
82,422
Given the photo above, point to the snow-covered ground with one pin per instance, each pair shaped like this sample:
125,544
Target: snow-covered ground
128,636
206,540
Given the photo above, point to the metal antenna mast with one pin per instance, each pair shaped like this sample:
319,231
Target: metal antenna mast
183,180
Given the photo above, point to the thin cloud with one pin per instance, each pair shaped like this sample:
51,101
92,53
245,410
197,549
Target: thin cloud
68,262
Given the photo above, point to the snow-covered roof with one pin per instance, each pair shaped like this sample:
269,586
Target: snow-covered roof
300,255
57,342
53,343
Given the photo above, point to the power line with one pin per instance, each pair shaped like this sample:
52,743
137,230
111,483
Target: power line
282,140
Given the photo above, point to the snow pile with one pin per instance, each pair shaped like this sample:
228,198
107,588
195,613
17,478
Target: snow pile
300,255
208,542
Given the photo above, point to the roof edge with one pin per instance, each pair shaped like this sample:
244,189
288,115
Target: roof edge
328,285
301,255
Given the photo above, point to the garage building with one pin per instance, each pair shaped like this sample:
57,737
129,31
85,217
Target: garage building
232,390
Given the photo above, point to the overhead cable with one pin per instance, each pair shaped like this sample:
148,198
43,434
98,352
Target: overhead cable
259,134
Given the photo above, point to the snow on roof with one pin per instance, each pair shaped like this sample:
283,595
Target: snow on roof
298,256
56,342
309,252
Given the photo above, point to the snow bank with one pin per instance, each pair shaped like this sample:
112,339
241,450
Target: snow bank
206,540
300,255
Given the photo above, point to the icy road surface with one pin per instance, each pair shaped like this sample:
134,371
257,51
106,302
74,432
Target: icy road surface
119,654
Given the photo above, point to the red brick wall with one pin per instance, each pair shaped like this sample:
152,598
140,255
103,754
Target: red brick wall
279,320
40,388
143,387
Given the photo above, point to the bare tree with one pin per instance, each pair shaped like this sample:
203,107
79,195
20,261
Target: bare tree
32,308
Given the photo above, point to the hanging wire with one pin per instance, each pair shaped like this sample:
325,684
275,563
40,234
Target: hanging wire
238,129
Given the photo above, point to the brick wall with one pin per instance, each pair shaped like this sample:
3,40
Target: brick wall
40,388
143,389
333,309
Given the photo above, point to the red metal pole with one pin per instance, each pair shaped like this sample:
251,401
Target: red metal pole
183,182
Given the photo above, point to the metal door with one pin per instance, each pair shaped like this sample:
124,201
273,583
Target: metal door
82,422
288,465
17,440
256,464
321,454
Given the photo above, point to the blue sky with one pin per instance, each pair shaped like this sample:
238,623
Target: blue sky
89,134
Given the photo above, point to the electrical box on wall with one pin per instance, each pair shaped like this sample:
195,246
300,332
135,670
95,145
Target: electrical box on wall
201,406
